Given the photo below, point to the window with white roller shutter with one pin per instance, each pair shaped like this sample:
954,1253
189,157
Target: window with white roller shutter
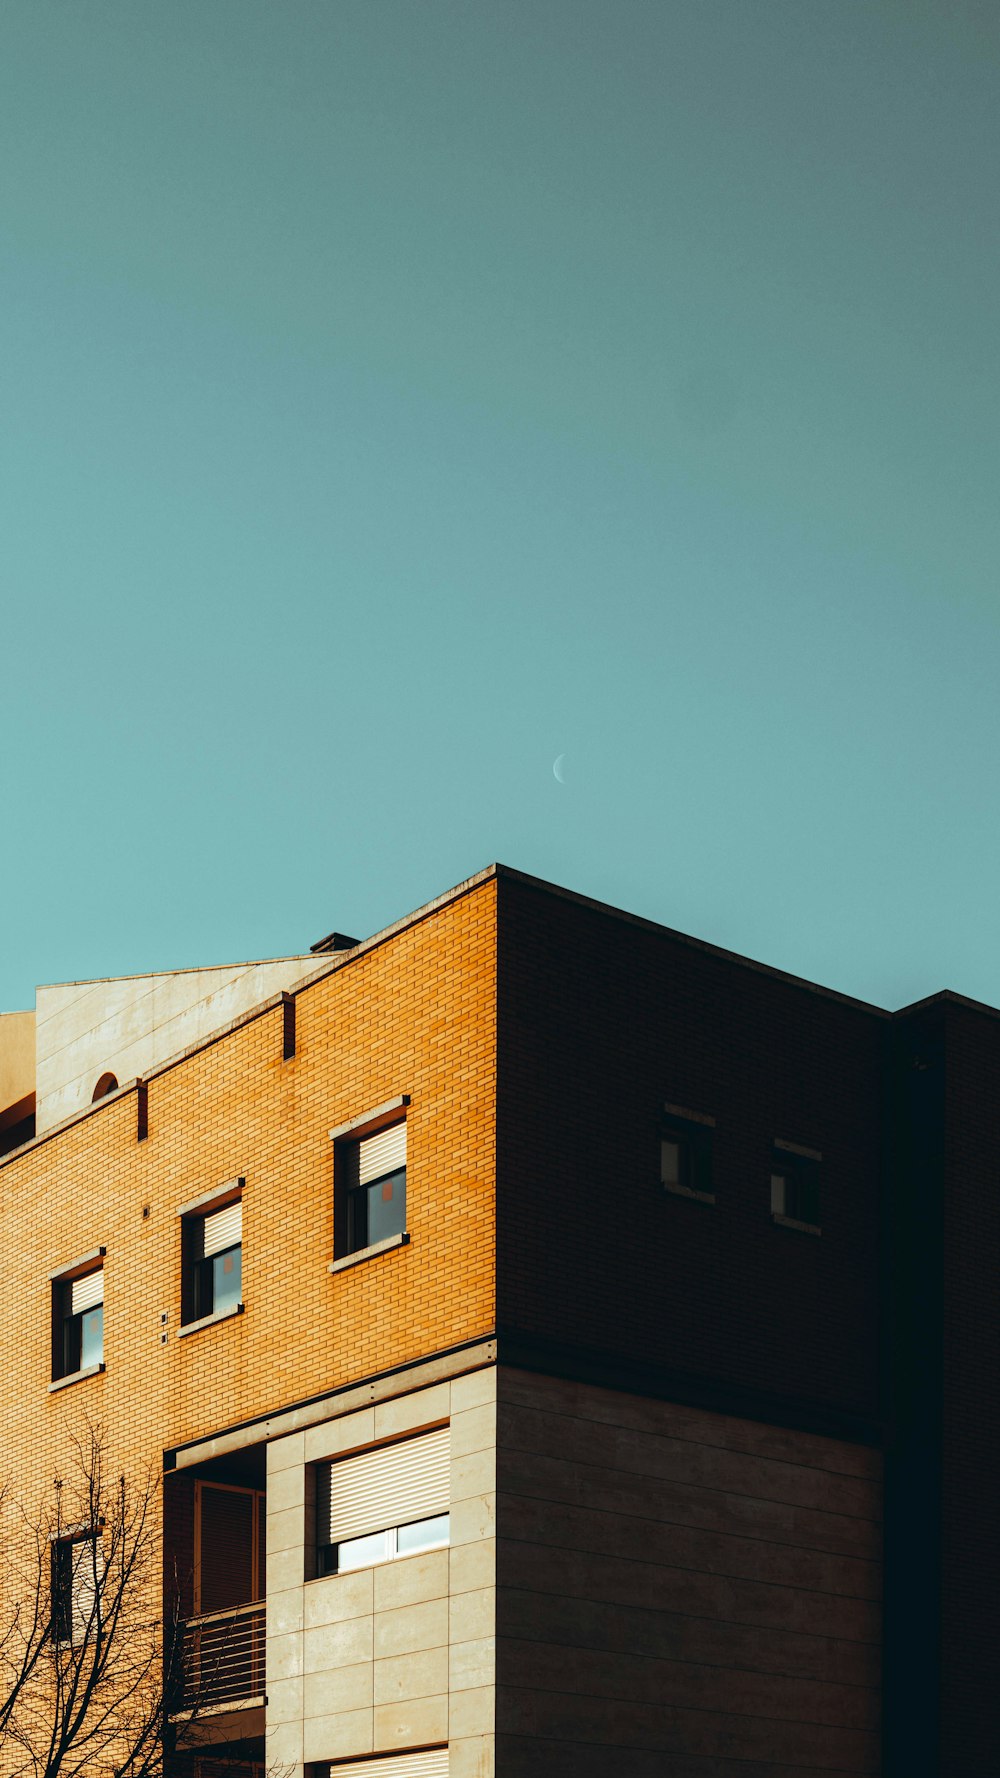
432,1762
78,1323
372,1173
213,1262
77,1574
388,1502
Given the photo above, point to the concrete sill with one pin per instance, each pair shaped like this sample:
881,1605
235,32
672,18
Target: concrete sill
687,1191
256,1703
363,1253
89,1370
191,1327
791,1222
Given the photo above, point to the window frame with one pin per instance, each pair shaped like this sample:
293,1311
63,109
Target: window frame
258,1535
416,1493
67,1327
692,1132
62,1582
197,1266
394,1554
348,1248
793,1165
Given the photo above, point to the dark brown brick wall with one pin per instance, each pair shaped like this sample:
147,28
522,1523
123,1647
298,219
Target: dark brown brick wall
599,1022
912,1297
970,1521
942,1318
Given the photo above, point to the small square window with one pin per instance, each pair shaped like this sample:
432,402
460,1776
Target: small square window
370,1189
795,1190
686,1155
212,1281
77,1323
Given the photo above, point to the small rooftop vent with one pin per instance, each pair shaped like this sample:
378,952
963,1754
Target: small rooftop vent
334,941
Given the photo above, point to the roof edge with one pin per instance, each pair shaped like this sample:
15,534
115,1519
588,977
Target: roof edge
330,965
152,975
949,996
685,938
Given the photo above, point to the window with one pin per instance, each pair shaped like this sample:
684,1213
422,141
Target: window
383,1546
222,1767
76,1588
212,1262
230,1546
431,1762
108,1083
795,1184
686,1152
77,1323
385,1503
373,1185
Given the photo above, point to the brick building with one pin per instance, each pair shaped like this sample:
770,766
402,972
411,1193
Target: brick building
569,1347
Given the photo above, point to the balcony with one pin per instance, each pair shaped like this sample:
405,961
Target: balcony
223,1661
214,1538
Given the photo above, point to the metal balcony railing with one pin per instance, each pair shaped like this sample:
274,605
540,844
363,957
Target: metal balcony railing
224,1658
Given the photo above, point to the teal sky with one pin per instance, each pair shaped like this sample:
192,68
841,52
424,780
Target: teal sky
398,394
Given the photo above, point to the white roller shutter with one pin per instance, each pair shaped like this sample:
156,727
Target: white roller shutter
86,1292
85,1582
431,1764
223,1228
385,1152
384,1488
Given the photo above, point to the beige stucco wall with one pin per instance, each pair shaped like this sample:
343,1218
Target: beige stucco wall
400,1655
17,1059
126,1025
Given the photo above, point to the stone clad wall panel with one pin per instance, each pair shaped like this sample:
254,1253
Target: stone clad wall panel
669,1588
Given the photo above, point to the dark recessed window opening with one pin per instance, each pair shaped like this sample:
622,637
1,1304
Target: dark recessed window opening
686,1155
77,1323
75,1588
795,1187
230,1547
372,1182
108,1083
213,1262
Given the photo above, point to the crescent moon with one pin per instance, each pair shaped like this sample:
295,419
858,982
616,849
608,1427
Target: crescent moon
557,769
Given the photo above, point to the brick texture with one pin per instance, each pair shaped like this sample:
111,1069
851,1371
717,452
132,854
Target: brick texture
538,1038
414,1015
601,1022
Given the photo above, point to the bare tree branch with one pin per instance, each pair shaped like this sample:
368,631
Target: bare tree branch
92,1652
88,1659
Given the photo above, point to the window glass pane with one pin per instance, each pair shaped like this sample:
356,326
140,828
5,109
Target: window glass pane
358,1552
778,1194
92,1336
422,1535
386,1207
86,1596
227,1279
802,1195
670,1166
71,1330
62,1589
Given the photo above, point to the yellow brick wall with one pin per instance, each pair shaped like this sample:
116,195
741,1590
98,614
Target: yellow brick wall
416,1015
